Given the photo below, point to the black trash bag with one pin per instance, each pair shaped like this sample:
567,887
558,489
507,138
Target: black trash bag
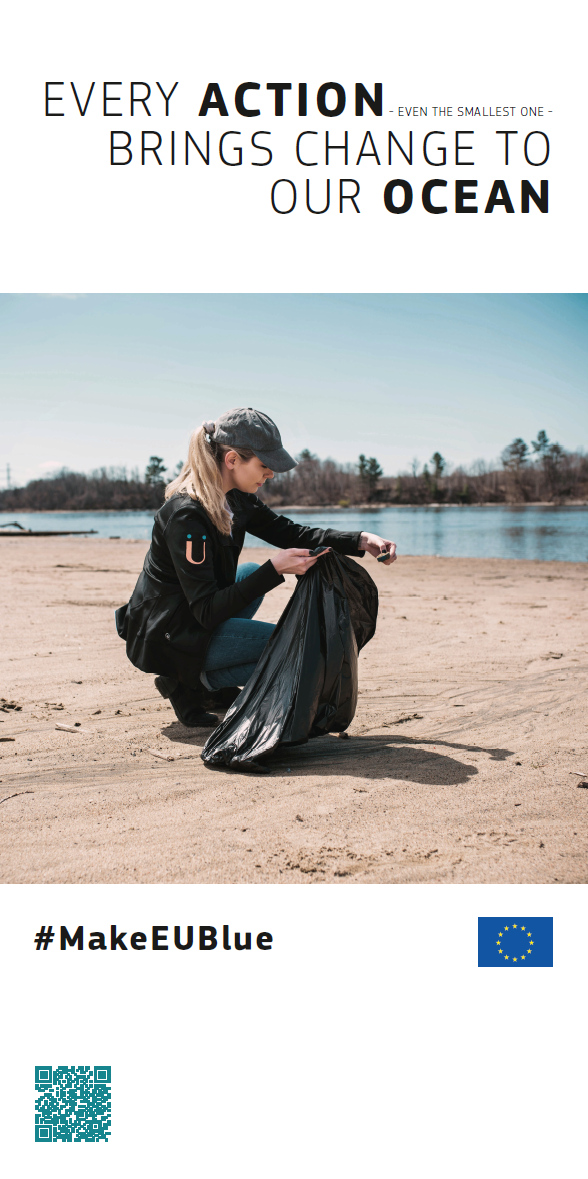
305,683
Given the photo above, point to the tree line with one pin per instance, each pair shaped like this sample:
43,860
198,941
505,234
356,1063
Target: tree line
108,489
541,471
537,473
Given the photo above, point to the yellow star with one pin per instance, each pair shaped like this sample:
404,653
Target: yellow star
506,927
500,951
498,943
515,926
515,959
506,956
523,928
531,943
500,934
523,957
529,951
528,935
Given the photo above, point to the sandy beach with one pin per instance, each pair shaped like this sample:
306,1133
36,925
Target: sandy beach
464,762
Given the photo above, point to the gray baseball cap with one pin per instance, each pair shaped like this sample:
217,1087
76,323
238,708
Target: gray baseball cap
252,430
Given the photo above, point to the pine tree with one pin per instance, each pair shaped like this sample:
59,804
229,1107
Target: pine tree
515,455
541,444
155,470
369,471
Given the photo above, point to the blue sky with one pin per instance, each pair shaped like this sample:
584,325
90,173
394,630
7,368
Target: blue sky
108,380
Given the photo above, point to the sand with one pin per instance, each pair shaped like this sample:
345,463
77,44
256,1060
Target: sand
471,718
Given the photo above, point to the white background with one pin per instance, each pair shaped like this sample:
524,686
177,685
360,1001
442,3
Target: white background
366,1042
72,222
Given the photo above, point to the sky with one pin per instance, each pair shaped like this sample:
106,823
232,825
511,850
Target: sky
88,381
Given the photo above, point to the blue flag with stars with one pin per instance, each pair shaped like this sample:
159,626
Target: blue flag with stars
515,943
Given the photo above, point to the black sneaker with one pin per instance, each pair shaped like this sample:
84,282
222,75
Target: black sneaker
186,703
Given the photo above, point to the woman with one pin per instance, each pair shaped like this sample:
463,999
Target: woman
190,617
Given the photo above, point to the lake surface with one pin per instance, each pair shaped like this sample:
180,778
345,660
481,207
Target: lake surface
528,533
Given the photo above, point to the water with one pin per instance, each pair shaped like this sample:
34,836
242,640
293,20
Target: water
123,525
528,533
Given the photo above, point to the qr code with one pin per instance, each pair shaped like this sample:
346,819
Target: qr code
73,1103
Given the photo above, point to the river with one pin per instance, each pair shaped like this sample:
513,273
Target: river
530,532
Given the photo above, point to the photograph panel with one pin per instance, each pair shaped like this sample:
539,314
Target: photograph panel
297,588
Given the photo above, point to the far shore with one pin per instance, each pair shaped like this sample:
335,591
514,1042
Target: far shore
361,507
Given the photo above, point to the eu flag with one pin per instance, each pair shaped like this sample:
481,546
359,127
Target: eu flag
515,943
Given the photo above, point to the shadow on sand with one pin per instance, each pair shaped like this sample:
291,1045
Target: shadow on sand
381,757
378,756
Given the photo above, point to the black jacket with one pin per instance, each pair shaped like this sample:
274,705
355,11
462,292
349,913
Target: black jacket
188,586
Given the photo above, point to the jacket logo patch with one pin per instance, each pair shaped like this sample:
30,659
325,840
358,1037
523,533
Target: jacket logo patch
189,556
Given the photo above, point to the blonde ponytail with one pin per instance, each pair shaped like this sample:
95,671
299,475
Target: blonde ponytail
200,478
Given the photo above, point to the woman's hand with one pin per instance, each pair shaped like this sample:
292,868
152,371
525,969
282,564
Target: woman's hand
294,560
370,543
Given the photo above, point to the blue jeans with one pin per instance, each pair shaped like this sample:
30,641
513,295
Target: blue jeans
236,644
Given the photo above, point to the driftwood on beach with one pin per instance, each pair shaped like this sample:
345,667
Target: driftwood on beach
21,531
28,532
